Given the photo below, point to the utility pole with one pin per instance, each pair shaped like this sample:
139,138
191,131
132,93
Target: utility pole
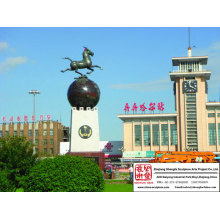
34,92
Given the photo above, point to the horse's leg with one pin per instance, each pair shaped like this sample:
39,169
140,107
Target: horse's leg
78,72
67,58
97,67
65,70
90,71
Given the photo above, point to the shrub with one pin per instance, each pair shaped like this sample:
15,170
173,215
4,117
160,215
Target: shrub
5,184
16,158
64,174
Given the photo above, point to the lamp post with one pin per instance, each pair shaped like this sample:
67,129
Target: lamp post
34,92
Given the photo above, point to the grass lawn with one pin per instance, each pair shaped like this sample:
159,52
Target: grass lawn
117,186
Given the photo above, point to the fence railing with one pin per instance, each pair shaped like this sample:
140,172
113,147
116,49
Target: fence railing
188,71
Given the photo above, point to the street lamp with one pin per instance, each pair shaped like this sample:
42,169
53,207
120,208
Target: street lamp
34,92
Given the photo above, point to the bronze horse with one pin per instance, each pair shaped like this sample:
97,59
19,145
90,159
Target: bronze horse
85,63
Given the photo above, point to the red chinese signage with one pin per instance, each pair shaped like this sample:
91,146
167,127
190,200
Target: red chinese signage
134,107
126,109
143,108
25,118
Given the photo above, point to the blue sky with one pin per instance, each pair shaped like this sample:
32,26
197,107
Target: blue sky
136,63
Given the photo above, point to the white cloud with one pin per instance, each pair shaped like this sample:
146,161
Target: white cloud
158,85
3,46
215,46
213,53
11,62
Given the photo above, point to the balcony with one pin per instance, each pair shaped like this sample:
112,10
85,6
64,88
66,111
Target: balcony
189,71
180,73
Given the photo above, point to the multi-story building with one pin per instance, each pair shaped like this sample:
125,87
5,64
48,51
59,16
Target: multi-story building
195,126
48,134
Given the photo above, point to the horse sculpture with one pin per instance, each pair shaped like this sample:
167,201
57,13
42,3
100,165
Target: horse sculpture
85,63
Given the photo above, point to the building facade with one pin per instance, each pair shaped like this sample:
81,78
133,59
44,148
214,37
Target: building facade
111,149
48,134
196,124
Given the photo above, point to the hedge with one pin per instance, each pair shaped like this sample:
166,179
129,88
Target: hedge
64,174
5,184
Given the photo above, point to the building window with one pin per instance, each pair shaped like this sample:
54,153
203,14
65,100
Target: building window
211,115
36,142
218,132
30,133
36,133
146,135
51,150
1,134
156,135
45,141
218,114
51,141
190,78
36,150
51,132
15,133
21,133
45,150
164,134
45,132
212,134
137,130
173,134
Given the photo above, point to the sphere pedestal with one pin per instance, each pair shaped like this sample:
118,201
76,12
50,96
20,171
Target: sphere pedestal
83,92
83,95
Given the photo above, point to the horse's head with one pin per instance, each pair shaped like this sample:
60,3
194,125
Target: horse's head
89,52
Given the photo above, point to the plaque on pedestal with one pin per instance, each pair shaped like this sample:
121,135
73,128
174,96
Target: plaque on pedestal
84,135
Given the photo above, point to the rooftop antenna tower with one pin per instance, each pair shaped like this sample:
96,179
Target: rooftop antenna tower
219,93
189,48
189,36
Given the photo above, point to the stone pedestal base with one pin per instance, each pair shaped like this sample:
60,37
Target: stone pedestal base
84,136
98,157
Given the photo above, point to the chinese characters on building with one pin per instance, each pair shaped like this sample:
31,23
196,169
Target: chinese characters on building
152,106
24,118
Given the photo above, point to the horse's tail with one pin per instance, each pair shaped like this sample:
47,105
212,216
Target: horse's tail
67,58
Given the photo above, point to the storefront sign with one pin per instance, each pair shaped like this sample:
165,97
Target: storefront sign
139,154
150,153
134,154
176,177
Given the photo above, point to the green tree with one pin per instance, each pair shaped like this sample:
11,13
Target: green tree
16,158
